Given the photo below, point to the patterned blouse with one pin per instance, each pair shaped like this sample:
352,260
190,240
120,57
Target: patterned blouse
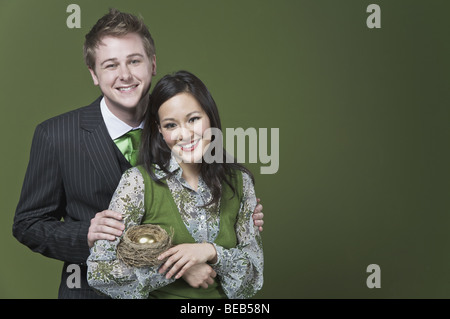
239,269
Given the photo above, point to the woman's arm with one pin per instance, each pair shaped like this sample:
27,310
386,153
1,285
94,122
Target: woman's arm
240,269
108,274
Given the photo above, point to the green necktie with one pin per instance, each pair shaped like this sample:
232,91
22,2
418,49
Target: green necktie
128,144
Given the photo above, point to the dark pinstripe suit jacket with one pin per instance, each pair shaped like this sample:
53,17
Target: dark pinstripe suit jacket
73,171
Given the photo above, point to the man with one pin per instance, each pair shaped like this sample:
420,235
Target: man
75,161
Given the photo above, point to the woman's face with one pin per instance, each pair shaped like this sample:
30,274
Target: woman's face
182,123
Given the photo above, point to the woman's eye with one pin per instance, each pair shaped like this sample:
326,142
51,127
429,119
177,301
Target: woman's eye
193,119
169,125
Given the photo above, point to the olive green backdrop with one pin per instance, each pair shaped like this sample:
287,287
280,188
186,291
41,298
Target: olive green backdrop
363,114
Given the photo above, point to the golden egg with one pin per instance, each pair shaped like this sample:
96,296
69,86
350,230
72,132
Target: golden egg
147,239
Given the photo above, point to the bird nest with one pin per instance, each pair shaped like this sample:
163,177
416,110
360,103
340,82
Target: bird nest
141,245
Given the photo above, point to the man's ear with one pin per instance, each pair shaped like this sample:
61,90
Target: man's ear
153,65
94,76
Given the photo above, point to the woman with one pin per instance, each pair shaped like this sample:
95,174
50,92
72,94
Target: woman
207,205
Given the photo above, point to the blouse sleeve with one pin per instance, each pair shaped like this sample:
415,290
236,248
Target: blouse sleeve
108,274
240,269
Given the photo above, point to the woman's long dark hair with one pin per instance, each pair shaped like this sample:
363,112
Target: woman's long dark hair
154,149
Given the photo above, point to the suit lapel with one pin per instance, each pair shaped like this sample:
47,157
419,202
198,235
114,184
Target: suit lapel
99,146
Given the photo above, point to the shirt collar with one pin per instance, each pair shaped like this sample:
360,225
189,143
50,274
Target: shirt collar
116,127
176,171
173,166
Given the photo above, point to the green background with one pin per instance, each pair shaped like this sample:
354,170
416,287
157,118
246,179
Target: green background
363,114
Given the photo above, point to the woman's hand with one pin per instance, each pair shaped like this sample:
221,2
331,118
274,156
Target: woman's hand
200,275
184,256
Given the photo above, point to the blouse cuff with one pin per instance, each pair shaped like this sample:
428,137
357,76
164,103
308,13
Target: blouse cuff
223,264
152,278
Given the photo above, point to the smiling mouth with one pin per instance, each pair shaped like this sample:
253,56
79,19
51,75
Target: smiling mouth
127,88
189,147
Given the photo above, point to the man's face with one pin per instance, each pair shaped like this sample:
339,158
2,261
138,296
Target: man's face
123,71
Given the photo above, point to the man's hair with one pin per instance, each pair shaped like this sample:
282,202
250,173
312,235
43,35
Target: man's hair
116,24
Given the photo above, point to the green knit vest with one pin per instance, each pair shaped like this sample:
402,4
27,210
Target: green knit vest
160,209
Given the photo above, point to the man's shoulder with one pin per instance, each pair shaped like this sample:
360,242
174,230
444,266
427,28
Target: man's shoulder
73,115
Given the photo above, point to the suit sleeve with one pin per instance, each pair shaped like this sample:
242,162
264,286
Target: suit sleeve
38,220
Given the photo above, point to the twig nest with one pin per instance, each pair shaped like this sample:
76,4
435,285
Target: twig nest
141,245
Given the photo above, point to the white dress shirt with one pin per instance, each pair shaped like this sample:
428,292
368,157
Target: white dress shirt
116,127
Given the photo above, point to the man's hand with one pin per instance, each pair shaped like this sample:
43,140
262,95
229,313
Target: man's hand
105,225
258,216
200,275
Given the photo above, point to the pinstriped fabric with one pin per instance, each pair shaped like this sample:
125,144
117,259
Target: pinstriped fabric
73,170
